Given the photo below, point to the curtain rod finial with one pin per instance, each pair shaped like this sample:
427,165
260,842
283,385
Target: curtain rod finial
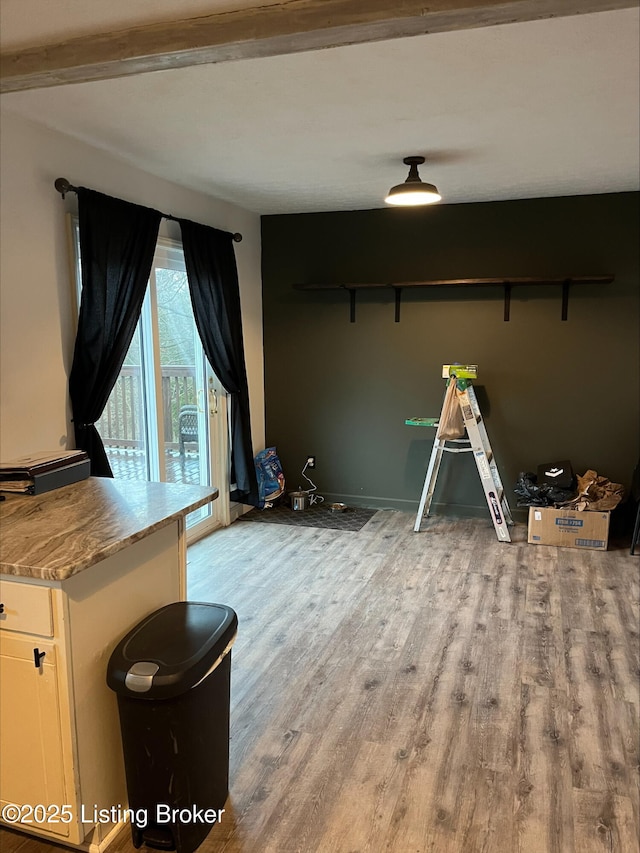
62,185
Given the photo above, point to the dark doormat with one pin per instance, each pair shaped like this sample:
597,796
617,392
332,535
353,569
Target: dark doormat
353,518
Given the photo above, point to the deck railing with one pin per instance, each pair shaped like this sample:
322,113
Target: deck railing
122,422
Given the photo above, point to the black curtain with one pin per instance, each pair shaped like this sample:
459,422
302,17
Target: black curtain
117,243
215,296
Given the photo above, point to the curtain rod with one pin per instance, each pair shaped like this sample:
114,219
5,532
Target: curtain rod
63,186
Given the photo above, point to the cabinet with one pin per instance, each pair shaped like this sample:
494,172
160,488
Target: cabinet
60,729
60,732
32,732
37,755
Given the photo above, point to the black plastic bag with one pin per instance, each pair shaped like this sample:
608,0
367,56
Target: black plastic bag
532,493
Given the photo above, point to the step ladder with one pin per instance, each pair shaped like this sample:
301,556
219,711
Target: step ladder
476,442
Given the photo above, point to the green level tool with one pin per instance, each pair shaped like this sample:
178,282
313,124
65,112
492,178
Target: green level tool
430,422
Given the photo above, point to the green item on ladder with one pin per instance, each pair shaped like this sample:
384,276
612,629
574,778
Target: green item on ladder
430,422
462,371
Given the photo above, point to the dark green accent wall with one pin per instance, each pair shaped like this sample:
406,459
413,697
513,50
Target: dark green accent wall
548,389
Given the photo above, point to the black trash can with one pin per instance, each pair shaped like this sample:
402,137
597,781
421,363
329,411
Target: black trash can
172,676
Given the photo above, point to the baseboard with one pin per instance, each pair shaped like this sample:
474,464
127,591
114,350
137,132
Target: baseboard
370,502
450,510
99,846
236,510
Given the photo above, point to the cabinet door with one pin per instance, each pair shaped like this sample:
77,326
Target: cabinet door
31,771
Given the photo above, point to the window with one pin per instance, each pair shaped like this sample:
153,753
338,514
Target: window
166,418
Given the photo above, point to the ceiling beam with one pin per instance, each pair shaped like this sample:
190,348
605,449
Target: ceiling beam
283,28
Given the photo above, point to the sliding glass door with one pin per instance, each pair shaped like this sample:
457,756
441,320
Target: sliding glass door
166,418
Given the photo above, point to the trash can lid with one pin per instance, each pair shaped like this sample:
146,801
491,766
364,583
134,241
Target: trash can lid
171,650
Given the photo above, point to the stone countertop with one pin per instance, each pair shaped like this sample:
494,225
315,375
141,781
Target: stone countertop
60,533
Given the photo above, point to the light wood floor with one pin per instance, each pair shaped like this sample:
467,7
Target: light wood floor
412,692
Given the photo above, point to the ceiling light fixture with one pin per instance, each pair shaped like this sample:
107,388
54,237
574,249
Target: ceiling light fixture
414,191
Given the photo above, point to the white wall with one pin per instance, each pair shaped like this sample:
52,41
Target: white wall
36,315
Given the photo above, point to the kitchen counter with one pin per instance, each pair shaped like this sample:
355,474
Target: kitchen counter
79,567
59,533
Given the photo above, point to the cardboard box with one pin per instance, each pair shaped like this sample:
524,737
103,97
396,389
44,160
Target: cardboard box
568,528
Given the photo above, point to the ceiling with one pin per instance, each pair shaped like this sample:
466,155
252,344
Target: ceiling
541,108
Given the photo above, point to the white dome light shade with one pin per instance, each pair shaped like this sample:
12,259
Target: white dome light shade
413,191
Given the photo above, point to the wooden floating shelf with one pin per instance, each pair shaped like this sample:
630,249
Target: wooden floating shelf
506,283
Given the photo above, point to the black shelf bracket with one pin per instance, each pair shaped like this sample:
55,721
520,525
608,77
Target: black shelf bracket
352,305
507,301
398,291
565,298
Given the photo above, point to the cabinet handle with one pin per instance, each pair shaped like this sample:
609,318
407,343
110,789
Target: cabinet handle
1,608
37,657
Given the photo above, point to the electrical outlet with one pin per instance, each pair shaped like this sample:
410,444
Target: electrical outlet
311,461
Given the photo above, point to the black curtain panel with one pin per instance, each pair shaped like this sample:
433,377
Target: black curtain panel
215,296
117,243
